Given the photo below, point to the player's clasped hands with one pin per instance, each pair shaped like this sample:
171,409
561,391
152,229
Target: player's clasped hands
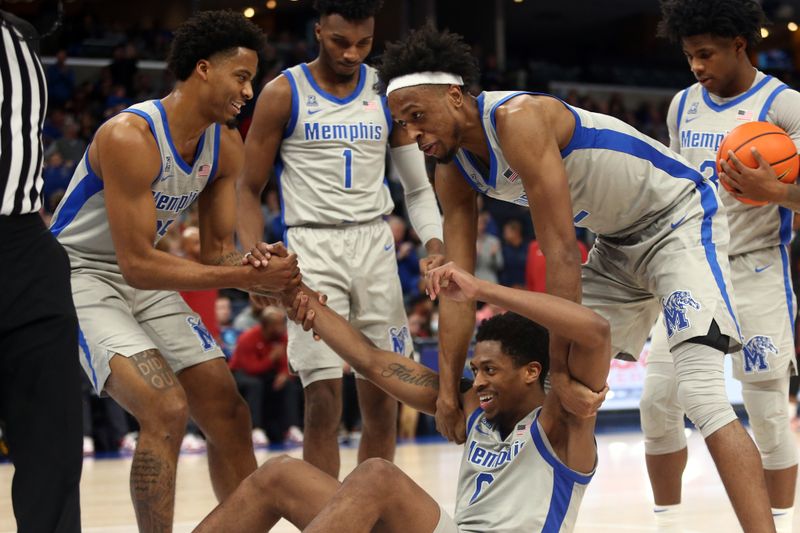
276,269
576,397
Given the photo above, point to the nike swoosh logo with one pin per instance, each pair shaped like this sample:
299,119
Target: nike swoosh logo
314,111
387,247
762,269
678,223
689,119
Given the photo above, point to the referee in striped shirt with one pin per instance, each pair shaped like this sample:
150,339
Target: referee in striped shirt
40,394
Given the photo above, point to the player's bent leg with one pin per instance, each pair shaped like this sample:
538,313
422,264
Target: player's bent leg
378,496
222,414
144,385
282,487
662,424
323,412
701,391
379,422
766,406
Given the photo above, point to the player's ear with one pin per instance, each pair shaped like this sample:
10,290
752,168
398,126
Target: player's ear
740,44
532,372
455,95
201,68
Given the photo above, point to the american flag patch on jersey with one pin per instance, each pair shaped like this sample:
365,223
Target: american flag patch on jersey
370,105
204,171
521,429
511,175
744,114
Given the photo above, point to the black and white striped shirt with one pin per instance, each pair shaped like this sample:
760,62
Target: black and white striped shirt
23,102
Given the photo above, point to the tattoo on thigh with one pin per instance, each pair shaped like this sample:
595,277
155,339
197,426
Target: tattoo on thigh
152,490
152,367
408,375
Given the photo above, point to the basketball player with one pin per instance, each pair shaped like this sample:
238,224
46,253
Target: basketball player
716,36
139,342
662,242
527,461
326,130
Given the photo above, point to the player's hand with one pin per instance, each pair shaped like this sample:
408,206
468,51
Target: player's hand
426,264
280,274
259,255
576,398
758,184
450,421
453,283
297,307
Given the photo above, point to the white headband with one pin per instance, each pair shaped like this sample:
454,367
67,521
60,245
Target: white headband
423,78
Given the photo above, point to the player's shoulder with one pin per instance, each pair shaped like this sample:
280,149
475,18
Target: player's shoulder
126,131
279,88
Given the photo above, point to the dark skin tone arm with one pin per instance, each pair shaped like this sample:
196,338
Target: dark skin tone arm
532,131
272,113
125,156
456,319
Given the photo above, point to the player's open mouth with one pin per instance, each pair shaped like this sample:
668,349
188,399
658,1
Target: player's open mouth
485,400
429,149
237,106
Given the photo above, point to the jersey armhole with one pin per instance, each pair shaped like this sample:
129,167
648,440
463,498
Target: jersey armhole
152,125
472,418
295,104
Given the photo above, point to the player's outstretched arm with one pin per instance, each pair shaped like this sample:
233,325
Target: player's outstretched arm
273,110
456,319
126,157
406,380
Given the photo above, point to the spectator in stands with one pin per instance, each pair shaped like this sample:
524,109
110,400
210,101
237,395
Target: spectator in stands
407,260
515,254
228,335
70,145
60,80
56,175
261,370
489,259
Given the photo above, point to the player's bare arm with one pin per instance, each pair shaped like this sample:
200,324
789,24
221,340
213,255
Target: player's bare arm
587,333
125,156
456,319
530,130
272,113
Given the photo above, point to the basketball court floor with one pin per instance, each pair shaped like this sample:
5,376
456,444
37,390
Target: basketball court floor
617,500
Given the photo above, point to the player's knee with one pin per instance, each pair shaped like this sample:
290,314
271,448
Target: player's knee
168,417
662,421
767,409
377,472
273,472
323,405
701,386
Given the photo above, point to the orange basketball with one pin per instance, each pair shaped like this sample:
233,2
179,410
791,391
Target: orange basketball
774,145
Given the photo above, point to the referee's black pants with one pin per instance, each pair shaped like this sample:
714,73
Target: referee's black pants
40,391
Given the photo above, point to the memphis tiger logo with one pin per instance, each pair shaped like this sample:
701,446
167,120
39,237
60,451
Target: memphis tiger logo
399,337
206,339
756,351
676,305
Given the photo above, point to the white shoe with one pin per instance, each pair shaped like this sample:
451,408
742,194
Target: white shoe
88,446
294,435
260,439
192,444
128,443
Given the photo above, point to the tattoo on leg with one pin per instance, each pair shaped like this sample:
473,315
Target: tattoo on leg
154,369
152,491
406,374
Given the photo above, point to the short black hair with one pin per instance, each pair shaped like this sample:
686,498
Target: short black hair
428,49
208,33
523,340
348,9
723,18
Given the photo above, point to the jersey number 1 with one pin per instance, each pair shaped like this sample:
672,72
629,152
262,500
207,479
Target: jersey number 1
348,168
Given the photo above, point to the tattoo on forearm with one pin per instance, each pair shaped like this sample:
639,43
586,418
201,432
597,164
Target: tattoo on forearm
153,491
152,367
229,259
408,375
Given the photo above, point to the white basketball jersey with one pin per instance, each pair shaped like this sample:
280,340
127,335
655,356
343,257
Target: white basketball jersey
516,484
331,165
80,222
702,122
620,180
